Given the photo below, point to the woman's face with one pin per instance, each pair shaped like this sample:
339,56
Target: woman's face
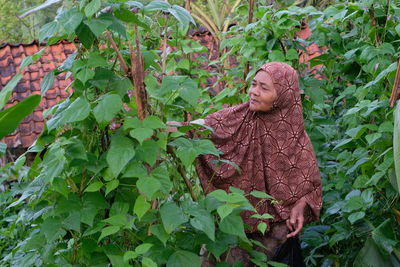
262,92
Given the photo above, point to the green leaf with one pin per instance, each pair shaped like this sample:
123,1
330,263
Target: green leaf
157,5
12,116
203,221
47,82
143,248
53,164
189,91
85,35
141,206
85,74
109,230
292,54
372,138
370,256
172,216
135,169
384,237
148,152
98,26
153,122
141,134
52,229
233,225
6,91
182,15
148,186
260,194
219,194
159,231
76,111
107,108
92,8
95,186
117,220
182,258
120,153
147,262
96,60
130,255
48,30
356,216
224,210
265,216
70,19
262,227
110,186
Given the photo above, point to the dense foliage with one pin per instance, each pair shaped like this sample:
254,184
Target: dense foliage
109,187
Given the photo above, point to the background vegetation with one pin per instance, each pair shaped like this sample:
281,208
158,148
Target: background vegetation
109,185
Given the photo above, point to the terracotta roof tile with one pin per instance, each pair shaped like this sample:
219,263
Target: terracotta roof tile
11,57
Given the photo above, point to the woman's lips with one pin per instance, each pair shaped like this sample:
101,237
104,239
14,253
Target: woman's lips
252,101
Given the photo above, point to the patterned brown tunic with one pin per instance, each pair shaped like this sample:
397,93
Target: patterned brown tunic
271,148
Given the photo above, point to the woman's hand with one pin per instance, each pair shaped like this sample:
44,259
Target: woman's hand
296,221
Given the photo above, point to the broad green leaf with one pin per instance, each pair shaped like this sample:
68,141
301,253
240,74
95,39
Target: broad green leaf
384,237
262,226
141,206
130,255
95,186
53,164
70,19
396,143
172,216
85,35
153,122
203,221
182,15
117,220
110,186
147,262
224,210
48,30
356,216
47,82
120,153
141,134
189,92
92,7
263,216
370,256
372,138
232,224
107,108
12,116
219,194
97,26
96,60
135,169
85,74
109,230
143,248
6,91
260,194
76,111
159,231
148,152
148,186
157,5
52,229
182,258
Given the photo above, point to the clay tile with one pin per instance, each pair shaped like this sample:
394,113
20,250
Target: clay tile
6,62
35,85
13,141
17,61
34,76
31,49
51,102
5,52
26,128
4,80
17,51
34,67
37,115
51,93
38,127
8,71
28,140
21,87
48,67
27,118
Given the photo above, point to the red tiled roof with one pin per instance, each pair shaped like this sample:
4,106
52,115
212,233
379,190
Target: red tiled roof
11,56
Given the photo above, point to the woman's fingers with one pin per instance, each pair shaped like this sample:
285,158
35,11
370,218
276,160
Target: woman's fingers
296,228
289,225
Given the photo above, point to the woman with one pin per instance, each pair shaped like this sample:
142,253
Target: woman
266,138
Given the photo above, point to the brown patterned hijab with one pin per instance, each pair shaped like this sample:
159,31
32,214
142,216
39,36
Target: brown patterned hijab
271,148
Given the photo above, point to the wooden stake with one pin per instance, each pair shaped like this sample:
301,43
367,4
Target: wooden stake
119,55
395,91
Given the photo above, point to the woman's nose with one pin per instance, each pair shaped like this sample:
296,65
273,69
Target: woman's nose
253,90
